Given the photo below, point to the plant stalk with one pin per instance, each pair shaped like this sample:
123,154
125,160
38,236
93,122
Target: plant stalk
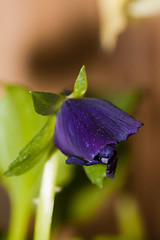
46,199
20,215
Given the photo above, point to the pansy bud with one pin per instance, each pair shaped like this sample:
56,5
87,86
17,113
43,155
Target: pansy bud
88,129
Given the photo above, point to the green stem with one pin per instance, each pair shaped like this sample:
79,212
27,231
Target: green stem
46,199
20,215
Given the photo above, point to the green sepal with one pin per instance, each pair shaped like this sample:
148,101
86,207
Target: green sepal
30,155
80,86
46,103
96,174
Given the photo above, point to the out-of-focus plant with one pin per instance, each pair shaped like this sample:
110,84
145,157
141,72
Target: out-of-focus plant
114,16
129,218
86,130
113,21
144,9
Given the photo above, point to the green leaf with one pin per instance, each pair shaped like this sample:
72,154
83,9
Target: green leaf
80,86
96,174
46,103
33,151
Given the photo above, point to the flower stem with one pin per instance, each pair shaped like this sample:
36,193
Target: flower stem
20,215
46,199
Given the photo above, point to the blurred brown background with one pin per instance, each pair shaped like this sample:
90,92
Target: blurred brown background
43,45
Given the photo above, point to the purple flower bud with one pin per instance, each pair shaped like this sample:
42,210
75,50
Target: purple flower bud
88,129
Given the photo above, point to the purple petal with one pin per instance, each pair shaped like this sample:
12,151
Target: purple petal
85,126
108,156
93,163
111,167
76,161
